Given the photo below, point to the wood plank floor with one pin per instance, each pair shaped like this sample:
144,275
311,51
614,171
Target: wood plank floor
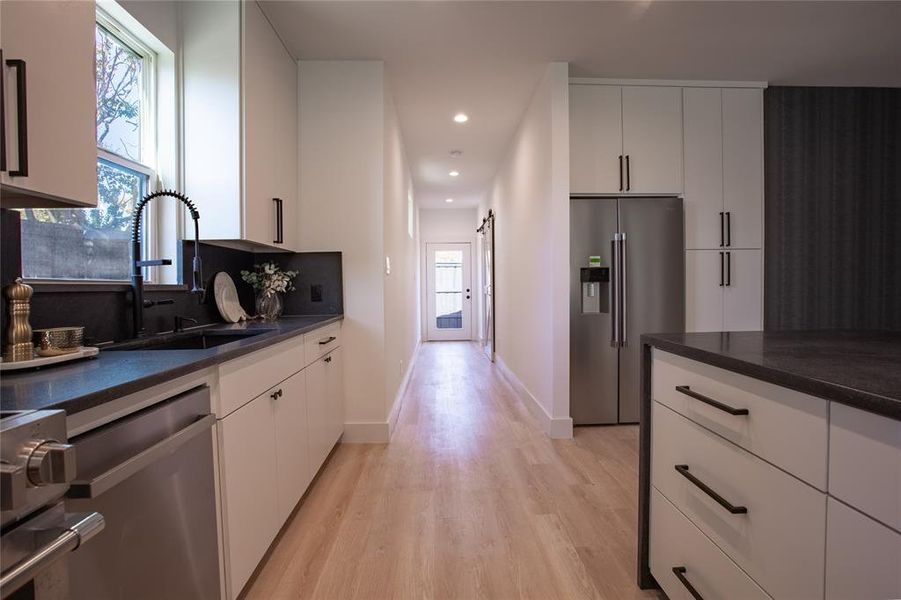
469,500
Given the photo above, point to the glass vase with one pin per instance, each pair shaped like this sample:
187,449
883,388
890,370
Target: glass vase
269,305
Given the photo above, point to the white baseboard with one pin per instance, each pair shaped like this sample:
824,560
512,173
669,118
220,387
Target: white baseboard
560,428
402,390
379,432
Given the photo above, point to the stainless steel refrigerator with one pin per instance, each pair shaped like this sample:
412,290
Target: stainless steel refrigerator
627,277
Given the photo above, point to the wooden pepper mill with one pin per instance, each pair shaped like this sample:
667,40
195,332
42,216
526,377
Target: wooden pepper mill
19,345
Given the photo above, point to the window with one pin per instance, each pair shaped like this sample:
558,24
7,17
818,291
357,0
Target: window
93,244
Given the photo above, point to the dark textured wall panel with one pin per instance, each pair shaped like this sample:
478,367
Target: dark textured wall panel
833,208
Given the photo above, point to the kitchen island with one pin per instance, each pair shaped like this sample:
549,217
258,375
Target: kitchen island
753,446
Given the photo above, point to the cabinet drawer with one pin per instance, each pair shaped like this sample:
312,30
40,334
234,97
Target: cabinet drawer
863,557
779,541
320,342
865,462
676,542
777,417
247,377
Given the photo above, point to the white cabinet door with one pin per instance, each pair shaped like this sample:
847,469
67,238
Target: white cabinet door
56,42
248,479
652,139
703,149
286,165
292,443
743,293
318,413
743,166
863,557
704,290
335,393
595,139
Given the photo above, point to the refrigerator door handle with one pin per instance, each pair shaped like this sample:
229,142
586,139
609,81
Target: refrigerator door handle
623,289
614,292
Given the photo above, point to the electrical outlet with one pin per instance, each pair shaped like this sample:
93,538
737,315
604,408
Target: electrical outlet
316,292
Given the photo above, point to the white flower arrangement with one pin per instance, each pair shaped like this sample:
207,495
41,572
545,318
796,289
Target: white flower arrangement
269,277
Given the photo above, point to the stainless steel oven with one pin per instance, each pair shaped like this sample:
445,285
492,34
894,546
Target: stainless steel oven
37,535
151,475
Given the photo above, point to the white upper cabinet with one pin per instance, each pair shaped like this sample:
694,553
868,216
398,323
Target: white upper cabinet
595,138
743,166
723,131
625,139
652,139
48,85
240,113
703,134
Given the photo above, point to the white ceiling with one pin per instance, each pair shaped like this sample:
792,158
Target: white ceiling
485,58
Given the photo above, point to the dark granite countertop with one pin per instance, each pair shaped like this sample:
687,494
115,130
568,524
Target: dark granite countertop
858,368
84,384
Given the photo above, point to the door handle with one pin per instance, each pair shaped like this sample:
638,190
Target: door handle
614,292
279,217
92,488
624,291
620,172
722,269
735,510
684,389
679,572
728,228
728,269
78,529
722,229
2,115
21,117
628,174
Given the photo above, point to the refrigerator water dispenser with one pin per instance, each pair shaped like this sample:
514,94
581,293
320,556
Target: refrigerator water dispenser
595,289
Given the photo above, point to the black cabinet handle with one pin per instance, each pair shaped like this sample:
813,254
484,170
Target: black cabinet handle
722,269
680,574
620,172
21,116
728,269
722,229
628,174
684,389
735,510
728,228
328,359
279,222
330,339
276,394
2,116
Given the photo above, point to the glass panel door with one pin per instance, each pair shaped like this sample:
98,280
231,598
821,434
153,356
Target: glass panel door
449,291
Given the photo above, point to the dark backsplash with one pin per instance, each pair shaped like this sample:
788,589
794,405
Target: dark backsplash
833,208
106,314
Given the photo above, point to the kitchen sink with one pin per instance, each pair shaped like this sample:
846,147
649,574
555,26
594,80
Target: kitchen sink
197,340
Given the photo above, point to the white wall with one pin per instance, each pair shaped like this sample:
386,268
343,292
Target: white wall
530,196
353,186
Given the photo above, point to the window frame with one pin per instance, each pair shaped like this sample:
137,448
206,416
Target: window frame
149,156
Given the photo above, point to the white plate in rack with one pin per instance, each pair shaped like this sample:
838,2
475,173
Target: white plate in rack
226,296
43,361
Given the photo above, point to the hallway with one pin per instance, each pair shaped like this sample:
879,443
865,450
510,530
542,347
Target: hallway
469,500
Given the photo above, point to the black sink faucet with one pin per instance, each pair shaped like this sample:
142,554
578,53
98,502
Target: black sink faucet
137,276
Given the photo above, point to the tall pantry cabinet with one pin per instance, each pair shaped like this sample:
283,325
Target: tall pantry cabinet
702,142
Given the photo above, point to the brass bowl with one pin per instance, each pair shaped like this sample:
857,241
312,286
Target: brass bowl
58,340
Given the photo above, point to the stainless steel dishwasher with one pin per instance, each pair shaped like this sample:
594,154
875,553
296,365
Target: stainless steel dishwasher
151,476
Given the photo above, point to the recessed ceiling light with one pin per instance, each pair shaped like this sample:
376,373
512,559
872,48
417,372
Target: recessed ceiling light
448,200
460,118
454,173
456,153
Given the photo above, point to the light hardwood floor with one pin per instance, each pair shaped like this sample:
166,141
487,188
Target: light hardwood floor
469,500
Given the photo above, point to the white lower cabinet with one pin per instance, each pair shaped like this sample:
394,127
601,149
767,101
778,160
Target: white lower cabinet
863,557
683,558
272,446
248,480
325,392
